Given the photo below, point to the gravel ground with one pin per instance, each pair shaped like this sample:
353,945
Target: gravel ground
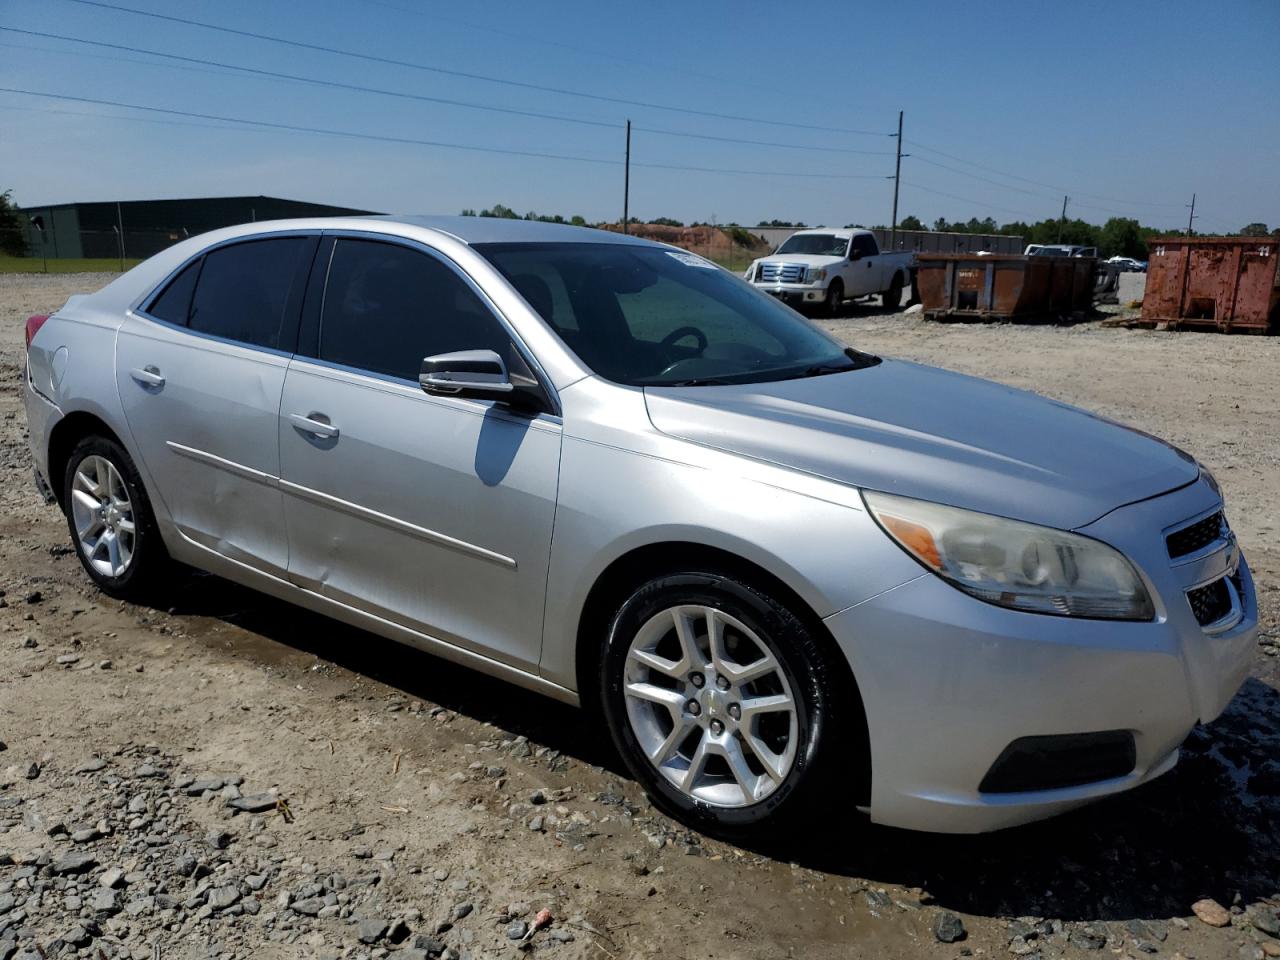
231,777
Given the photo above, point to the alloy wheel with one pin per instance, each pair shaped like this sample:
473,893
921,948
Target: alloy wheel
710,706
102,514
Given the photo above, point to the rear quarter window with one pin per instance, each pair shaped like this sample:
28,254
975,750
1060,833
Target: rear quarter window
173,305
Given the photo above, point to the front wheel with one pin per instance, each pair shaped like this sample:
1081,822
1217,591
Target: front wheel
111,521
835,298
720,701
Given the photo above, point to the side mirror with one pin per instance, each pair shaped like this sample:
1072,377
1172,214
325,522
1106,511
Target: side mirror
476,374
854,255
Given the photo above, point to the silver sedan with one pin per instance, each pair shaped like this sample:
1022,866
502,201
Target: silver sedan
787,575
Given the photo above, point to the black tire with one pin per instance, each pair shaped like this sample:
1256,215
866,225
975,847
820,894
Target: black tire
150,566
835,298
892,298
816,769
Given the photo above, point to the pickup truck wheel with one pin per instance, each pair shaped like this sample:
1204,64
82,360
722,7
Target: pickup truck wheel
892,298
835,298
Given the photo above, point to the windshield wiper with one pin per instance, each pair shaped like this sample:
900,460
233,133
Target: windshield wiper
696,382
856,360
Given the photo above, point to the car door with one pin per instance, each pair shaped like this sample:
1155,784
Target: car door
865,270
432,512
200,368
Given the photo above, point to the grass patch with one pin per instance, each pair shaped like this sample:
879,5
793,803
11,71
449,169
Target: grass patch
64,265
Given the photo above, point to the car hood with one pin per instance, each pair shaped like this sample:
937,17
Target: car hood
808,259
923,432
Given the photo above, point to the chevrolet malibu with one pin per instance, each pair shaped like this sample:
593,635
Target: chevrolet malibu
788,576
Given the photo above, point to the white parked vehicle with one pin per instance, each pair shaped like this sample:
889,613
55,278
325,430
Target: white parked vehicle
826,266
1059,250
1127,264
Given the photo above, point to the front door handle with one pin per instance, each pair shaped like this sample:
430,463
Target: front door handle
148,376
309,424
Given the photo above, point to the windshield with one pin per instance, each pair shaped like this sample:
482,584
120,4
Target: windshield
650,316
816,244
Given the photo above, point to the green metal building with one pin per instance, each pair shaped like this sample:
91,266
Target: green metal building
148,226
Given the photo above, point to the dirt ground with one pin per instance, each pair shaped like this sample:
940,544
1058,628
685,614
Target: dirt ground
417,808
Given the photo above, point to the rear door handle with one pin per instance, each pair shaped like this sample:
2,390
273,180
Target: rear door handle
148,376
320,428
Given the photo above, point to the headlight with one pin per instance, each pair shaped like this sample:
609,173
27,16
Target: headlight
814,274
1013,564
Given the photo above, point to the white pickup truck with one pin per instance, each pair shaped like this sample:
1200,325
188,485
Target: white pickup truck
825,267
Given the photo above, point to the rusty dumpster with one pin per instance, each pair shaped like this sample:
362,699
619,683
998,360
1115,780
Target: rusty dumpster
1225,283
971,286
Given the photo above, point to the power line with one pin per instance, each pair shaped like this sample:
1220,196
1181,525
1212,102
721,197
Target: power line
763,143
297,128
526,38
275,75
1005,186
561,91
466,104
977,203
1054,187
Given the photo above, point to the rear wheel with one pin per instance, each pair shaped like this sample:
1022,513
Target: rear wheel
721,703
111,521
835,298
892,298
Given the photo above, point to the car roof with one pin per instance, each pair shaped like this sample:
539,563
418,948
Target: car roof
844,232
471,230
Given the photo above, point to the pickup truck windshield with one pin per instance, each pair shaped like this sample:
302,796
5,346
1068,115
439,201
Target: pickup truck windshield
815,244
652,316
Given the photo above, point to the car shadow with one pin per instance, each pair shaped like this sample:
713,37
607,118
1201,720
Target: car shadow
276,628
867,307
1204,829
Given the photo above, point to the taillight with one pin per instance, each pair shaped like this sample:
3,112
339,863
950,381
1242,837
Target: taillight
33,326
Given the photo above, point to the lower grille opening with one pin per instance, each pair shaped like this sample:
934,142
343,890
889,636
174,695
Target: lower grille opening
1211,602
1063,760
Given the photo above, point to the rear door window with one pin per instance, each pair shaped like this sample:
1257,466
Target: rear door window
387,307
864,245
247,290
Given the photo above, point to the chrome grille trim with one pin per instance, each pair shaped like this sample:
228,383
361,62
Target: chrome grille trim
780,273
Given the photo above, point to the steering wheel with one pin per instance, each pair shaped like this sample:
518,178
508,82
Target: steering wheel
678,334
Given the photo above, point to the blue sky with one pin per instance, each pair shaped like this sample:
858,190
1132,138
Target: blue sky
1127,107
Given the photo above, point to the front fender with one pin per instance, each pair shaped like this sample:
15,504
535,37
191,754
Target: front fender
613,501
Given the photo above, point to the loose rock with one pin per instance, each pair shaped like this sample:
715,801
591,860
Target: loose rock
1211,912
948,928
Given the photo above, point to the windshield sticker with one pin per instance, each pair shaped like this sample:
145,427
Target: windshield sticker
690,260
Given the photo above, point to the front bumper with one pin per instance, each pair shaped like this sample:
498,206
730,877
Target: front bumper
949,682
793,292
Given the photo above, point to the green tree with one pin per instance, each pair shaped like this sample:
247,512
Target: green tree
501,212
667,222
1122,237
13,227
1254,229
578,221
911,222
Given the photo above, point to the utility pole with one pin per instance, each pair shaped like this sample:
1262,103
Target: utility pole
897,179
626,186
1063,221
1192,217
